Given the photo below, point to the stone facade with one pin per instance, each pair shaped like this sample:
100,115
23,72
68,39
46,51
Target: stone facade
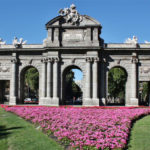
74,41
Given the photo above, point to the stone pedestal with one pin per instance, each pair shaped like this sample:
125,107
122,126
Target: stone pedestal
133,102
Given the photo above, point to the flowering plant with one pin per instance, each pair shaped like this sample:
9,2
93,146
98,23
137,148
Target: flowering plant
83,128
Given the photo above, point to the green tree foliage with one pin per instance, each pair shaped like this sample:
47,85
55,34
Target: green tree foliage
32,79
145,91
117,78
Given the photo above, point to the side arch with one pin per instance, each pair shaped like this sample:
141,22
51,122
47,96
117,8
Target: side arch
22,72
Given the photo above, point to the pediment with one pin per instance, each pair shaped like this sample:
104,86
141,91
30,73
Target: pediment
60,21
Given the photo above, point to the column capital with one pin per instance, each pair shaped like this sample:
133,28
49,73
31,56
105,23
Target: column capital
134,60
14,60
50,59
55,59
95,59
43,60
88,59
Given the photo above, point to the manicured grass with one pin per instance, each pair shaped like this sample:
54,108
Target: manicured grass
140,135
17,134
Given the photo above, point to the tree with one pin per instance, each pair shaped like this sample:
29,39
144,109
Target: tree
145,92
117,78
32,80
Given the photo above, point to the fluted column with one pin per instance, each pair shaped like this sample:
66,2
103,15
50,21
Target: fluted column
13,83
88,78
49,77
43,78
133,82
55,82
95,79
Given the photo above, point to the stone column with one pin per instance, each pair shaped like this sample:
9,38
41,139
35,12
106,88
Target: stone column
133,81
49,77
103,82
43,93
88,77
87,101
13,83
95,82
55,82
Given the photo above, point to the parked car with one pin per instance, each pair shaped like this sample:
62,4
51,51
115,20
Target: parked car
27,100
35,100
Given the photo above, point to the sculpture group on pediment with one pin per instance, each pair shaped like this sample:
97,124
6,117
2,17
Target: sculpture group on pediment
72,15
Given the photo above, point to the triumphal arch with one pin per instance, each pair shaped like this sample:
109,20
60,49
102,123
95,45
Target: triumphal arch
73,40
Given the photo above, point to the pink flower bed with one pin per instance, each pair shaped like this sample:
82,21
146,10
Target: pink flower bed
84,128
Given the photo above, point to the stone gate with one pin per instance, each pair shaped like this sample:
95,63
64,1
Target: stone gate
74,41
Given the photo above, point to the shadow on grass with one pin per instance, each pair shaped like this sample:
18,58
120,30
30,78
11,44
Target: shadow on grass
4,131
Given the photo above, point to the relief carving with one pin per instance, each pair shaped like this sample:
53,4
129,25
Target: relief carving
4,69
145,70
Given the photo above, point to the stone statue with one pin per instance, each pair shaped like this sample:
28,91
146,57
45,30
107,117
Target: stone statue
134,40
2,42
147,42
71,14
18,44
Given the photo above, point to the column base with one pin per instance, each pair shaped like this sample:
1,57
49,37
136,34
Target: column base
41,100
90,102
49,101
133,102
12,101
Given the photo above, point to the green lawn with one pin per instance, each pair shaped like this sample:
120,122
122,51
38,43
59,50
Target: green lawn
140,135
17,134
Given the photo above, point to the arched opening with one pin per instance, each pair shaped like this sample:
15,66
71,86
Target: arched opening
29,86
72,90
144,93
4,91
117,78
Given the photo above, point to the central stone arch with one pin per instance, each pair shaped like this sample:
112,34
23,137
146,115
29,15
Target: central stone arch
65,71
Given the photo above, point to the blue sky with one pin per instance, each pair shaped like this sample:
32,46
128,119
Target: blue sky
120,18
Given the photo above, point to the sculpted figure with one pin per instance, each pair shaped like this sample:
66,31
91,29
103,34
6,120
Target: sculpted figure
18,44
71,14
147,42
134,40
2,42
